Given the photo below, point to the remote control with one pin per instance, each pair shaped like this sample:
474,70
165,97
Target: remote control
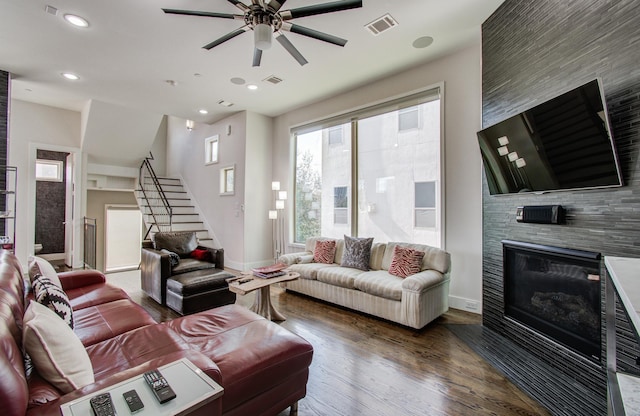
133,401
102,405
159,386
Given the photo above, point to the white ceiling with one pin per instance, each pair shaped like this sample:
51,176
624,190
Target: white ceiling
132,48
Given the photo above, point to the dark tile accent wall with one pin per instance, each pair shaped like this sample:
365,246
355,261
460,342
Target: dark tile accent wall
531,52
50,208
4,135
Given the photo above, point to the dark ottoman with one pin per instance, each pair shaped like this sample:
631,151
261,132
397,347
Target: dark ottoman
199,290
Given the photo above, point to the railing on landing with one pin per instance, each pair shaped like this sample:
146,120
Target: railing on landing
89,260
154,197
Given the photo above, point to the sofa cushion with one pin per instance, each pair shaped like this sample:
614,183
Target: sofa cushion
180,242
380,283
53,297
324,251
309,270
406,261
377,253
97,323
39,266
56,351
191,265
434,258
254,355
91,295
339,276
357,252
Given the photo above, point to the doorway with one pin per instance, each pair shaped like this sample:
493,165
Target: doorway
51,207
123,237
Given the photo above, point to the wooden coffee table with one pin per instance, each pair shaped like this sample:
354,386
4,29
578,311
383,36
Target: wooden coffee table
247,282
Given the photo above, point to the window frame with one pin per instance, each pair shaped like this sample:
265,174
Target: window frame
211,150
59,164
412,99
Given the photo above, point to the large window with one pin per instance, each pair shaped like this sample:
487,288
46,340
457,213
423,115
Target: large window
381,179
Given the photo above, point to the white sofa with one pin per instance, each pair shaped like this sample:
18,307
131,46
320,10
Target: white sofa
413,301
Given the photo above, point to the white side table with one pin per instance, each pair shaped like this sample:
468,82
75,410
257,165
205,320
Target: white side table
192,386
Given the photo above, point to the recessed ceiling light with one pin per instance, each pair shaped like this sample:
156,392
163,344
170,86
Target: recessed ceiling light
422,42
203,111
171,82
252,87
70,76
76,20
237,81
225,103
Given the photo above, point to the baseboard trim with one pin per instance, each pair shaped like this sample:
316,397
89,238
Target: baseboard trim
465,304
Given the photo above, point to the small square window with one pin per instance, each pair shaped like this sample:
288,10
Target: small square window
49,170
408,119
335,135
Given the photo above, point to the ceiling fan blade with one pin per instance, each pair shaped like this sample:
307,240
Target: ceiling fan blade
257,57
226,37
305,31
284,41
205,14
335,6
276,5
240,5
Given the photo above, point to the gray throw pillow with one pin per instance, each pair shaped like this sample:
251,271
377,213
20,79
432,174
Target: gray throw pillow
357,252
180,242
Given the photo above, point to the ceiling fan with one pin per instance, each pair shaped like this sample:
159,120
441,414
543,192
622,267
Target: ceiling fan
265,18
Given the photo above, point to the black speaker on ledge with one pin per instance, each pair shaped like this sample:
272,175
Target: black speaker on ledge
541,214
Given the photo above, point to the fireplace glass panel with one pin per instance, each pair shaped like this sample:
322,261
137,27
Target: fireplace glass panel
556,292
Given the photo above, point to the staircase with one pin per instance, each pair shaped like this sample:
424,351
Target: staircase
166,206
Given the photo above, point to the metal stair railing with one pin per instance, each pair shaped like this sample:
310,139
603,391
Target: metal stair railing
156,200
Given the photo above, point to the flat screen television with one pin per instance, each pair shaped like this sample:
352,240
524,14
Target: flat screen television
562,144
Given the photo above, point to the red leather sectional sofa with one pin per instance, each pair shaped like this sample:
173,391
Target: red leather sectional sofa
263,367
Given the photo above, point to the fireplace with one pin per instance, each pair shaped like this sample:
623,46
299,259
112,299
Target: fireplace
555,292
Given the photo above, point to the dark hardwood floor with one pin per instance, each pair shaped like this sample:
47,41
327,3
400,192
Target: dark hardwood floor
365,366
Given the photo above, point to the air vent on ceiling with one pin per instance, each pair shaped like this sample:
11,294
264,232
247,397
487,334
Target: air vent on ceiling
51,10
273,79
382,24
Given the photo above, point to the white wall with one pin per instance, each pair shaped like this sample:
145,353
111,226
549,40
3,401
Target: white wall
33,126
185,159
461,74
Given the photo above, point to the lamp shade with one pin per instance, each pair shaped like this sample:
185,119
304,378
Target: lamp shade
282,195
273,214
275,186
279,204
262,36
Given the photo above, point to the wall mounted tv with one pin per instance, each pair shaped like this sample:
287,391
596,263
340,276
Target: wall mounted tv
562,144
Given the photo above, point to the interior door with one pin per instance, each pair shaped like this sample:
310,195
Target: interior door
123,237
68,210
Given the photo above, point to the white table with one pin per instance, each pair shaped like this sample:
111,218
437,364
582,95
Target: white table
623,279
192,386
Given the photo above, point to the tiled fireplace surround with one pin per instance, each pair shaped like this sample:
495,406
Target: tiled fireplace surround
531,52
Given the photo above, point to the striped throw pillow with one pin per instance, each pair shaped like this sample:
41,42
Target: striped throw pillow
406,262
325,251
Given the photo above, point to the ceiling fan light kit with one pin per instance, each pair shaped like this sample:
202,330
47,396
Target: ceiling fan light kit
266,20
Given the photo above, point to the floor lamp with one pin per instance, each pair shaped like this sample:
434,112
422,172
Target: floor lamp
277,217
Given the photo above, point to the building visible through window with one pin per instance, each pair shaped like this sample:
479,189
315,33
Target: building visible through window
340,200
